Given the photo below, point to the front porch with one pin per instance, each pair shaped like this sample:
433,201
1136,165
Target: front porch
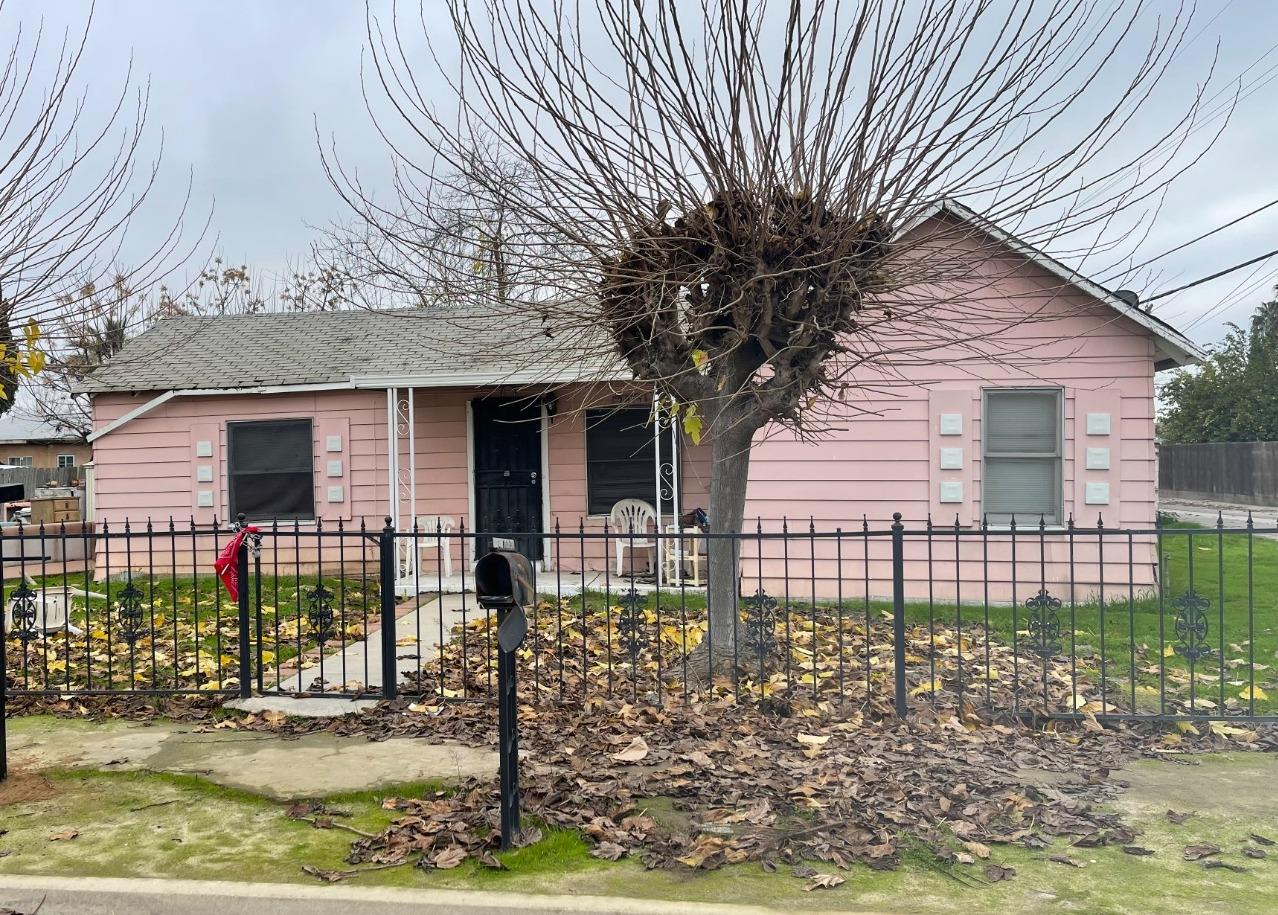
535,463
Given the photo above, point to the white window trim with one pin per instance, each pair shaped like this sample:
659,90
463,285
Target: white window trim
1059,523
61,465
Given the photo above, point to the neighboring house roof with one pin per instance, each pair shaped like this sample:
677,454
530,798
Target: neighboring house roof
26,429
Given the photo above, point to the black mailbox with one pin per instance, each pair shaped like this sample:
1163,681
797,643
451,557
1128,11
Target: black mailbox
504,580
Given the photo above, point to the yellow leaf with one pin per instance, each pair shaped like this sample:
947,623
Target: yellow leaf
931,687
1186,728
1169,651
692,424
1254,692
699,357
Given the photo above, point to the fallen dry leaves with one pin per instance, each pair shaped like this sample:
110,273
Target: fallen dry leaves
793,760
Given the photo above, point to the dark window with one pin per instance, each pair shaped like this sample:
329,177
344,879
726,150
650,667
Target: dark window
270,468
620,458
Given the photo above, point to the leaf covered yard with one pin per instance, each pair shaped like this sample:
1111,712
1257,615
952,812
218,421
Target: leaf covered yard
182,633
813,793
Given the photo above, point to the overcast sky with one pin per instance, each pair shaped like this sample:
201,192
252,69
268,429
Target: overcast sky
237,87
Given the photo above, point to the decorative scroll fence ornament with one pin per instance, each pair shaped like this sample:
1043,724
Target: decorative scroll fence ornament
23,612
1044,624
130,610
1191,626
630,626
319,612
761,622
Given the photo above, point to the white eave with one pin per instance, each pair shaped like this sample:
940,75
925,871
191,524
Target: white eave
602,372
1175,346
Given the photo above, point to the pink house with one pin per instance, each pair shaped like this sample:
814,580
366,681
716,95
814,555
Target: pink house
351,416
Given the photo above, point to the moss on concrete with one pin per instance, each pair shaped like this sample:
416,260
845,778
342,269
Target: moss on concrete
145,824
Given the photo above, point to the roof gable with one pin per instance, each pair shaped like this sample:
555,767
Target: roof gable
1173,347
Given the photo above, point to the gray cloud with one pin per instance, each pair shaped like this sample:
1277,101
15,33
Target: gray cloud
237,88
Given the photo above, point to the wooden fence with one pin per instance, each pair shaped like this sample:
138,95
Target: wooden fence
33,477
1245,472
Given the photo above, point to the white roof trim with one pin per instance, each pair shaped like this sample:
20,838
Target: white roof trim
602,372
160,399
1177,346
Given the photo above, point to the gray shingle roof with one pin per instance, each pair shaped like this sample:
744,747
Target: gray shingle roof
18,428
246,351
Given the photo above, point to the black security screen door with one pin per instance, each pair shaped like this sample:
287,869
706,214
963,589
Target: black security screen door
508,471
271,469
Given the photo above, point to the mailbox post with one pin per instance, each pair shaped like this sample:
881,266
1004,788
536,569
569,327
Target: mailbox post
504,582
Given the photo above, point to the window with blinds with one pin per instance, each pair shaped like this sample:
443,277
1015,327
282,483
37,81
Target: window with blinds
1021,472
270,470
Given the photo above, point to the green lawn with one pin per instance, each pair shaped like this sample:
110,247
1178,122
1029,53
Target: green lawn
1137,632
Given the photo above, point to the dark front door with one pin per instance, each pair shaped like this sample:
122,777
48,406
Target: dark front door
508,471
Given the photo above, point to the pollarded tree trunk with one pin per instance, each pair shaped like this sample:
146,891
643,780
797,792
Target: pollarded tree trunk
730,452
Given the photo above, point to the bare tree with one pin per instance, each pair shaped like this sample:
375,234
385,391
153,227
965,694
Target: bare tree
726,195
68,191
93,323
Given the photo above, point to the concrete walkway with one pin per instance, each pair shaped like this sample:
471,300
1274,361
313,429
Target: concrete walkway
360,663
108,896
421,623
1264,519
310,766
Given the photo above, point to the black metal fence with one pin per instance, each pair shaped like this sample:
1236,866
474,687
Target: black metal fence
1165,622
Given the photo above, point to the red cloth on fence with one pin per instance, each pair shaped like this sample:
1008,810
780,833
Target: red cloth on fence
226,566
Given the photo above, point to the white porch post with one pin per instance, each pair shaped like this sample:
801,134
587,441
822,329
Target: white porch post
402,482
392,457
667,478
659,559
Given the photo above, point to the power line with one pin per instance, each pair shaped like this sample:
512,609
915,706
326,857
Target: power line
1206,279
1221,228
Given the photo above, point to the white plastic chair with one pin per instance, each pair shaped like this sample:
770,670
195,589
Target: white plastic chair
52,606
632,516
432,533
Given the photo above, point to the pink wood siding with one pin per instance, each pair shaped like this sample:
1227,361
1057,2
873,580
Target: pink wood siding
147,470
882,454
